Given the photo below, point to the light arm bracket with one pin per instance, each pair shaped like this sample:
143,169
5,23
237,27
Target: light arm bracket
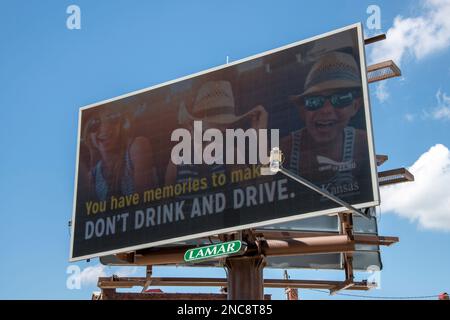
275,166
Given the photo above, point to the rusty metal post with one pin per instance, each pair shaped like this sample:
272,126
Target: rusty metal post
291,293
245,277
346,220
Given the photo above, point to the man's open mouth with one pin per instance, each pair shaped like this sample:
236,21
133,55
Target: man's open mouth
325,124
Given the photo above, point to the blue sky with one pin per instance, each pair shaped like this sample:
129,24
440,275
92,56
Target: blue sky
47,72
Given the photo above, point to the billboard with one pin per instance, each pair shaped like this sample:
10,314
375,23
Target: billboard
182,160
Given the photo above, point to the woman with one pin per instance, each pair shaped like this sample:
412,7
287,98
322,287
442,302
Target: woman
119,164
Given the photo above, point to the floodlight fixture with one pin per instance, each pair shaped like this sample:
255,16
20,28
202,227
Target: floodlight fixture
276,158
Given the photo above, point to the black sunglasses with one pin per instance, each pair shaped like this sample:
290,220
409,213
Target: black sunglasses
338,100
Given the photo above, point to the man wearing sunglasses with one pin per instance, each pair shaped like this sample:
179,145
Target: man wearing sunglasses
327,150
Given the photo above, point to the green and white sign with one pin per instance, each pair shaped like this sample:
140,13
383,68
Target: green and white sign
214,251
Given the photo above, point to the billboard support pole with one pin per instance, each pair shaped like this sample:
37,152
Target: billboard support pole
245,277
346,228
245,280
148,278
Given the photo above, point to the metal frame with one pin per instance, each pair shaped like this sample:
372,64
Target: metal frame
260,247
381,158
383,71
374,39
394,176
109,283
130,282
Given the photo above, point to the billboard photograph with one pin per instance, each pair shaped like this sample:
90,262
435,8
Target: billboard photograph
206,152
183,159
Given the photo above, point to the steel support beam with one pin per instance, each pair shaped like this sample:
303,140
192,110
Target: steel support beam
274,245
129,282
374,39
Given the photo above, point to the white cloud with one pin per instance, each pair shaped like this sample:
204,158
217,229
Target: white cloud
126,271
427,199
410,117
442,111
381,92
418,36
89,275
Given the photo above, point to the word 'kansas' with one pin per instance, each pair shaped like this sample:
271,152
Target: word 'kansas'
189,149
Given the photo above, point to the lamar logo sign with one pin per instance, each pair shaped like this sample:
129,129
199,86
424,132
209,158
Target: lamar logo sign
217,250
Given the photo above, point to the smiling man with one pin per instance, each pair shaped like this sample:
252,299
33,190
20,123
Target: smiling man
327,150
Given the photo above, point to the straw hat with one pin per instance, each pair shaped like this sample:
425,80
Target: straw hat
335,70
214,103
